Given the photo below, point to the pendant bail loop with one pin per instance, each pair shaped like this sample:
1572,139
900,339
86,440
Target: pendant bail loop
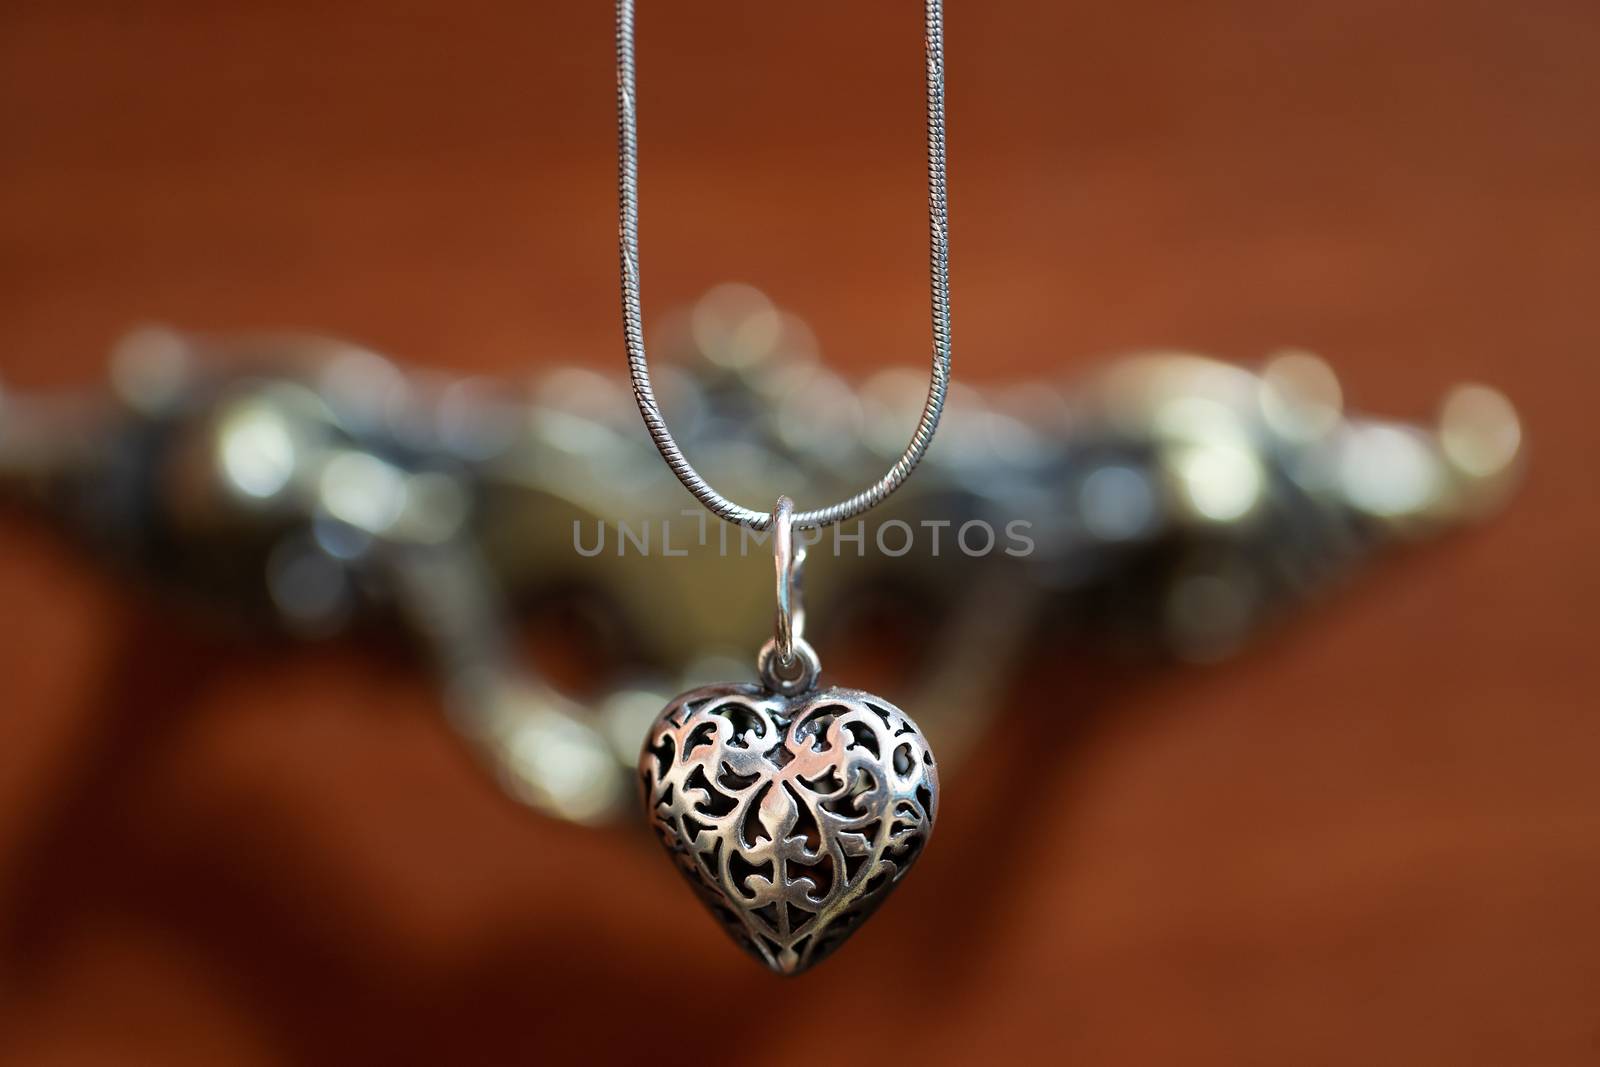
788,664
788,562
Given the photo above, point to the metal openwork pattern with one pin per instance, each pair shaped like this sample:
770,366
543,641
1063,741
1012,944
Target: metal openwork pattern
794,818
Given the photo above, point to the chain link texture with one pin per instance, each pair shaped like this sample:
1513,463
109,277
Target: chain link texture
633,319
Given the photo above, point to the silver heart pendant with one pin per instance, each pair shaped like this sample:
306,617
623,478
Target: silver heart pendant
793,815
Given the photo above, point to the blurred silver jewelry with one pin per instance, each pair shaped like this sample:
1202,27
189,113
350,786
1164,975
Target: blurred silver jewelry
1175,507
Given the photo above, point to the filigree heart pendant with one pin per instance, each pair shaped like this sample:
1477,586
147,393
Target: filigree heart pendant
793,810
794,817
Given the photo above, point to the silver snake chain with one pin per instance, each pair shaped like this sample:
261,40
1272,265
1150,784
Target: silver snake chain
633,319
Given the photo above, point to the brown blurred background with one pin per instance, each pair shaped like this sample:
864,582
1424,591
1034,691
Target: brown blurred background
1375,838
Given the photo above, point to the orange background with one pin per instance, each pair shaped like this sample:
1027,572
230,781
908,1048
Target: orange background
1375,838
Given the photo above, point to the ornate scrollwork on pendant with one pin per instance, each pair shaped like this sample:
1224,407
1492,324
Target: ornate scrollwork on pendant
793,817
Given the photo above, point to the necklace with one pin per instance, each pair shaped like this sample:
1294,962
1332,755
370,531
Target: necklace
793,809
